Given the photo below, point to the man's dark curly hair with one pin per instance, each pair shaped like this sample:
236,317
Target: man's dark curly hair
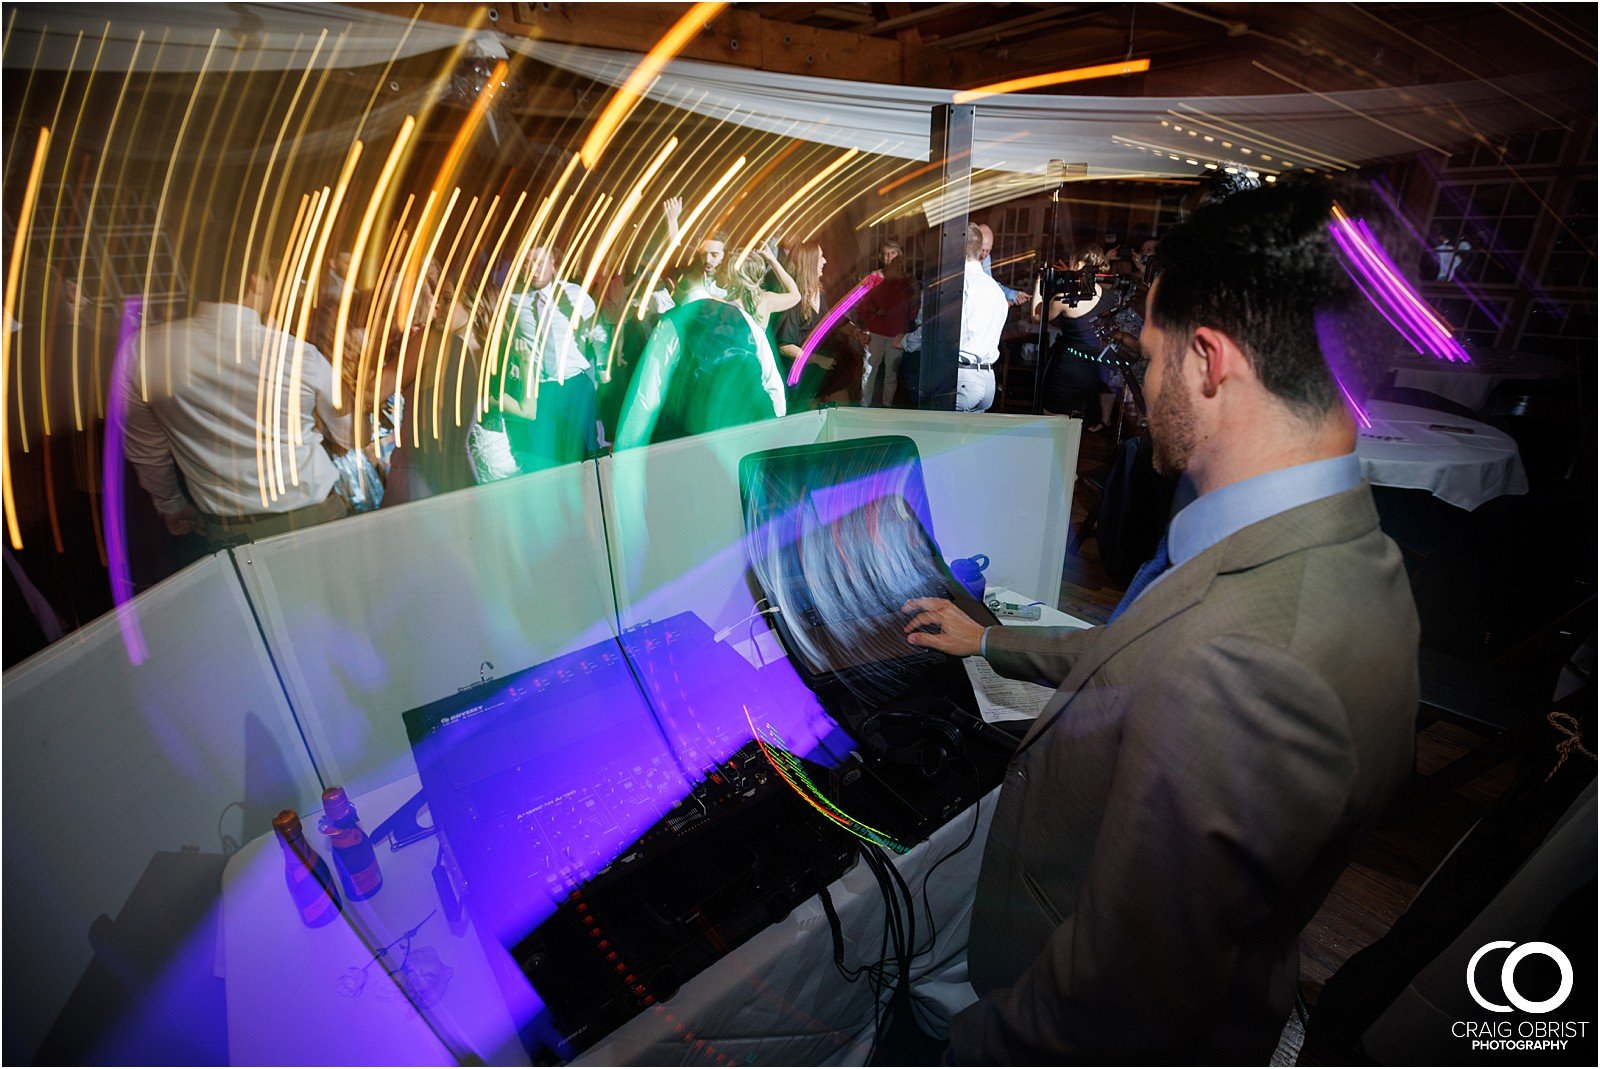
1259,266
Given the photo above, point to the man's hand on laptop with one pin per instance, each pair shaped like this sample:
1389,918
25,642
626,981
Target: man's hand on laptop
937,624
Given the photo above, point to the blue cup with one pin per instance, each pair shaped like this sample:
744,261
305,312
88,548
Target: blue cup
969,573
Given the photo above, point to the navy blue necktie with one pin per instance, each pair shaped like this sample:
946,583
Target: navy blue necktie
1147,573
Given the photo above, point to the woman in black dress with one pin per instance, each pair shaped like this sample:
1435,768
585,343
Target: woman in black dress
1072,382
828,370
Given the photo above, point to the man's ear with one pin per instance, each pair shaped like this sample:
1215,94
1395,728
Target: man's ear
1220,358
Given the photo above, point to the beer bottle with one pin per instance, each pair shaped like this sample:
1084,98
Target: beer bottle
310,884
353,856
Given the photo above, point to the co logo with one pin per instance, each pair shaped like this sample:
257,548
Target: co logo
1508,976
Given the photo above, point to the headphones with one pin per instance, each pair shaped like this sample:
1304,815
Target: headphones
922,743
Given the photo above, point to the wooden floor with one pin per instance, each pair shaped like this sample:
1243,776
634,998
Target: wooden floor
1396,860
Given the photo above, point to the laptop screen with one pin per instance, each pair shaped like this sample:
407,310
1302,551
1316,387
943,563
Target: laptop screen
839,538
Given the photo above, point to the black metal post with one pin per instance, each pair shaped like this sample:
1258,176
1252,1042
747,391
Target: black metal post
1041,359
950,145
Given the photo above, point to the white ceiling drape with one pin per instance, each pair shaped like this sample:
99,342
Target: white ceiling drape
1022,133
1111,135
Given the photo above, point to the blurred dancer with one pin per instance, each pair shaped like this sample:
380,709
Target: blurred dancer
826,369
442,408
708,365
702,280
200,417
546,389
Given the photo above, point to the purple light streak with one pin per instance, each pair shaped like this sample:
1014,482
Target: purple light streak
1375,274
114,516
1360,413
1474,294
820,331
1337,356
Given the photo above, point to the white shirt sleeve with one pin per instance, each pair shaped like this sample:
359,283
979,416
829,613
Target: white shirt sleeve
649,389
147,446
317,374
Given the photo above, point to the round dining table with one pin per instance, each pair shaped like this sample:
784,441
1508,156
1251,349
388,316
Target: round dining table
1471,384
1459,461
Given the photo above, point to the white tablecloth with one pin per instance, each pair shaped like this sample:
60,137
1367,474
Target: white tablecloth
1471,384
1459,461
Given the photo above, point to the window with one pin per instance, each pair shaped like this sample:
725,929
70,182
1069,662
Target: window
1481,231
118,247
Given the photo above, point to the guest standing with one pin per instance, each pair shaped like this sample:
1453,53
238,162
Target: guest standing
547,395
887,313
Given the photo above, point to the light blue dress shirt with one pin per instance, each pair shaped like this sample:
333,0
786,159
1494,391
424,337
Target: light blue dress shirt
1210,518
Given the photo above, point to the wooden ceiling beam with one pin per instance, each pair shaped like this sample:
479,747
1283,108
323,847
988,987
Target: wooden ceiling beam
906,16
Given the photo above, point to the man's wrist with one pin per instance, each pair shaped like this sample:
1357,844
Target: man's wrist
983,643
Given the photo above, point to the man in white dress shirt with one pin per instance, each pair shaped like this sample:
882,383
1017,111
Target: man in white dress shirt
983,317
239,407
549,395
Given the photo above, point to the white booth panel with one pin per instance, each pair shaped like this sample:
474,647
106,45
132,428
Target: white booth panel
108,762
676,526
997,485
390,610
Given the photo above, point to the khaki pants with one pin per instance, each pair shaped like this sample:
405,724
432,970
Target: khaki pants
883,354
225,531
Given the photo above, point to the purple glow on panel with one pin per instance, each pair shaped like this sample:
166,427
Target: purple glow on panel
820,331
115,517
1377,277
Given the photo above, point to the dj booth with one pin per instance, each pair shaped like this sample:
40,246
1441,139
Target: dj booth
670,785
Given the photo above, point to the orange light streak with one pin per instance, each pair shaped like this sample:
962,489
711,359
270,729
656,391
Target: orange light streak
549,201
272,163
755,181
455,298
401,278
94,198
469,126
490,343
918,173
630,204
270,476
764,231
416,277
161,211
1037,81
19,244
319,204
263,471
359,248
66,162
318,258
444,340
46,319
627,96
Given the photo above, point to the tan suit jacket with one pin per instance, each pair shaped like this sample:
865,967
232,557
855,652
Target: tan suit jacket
1184,803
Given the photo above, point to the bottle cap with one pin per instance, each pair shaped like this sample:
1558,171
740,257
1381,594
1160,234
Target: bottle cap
335,803
287,824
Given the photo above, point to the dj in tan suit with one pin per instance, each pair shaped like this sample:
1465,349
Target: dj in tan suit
1214,754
